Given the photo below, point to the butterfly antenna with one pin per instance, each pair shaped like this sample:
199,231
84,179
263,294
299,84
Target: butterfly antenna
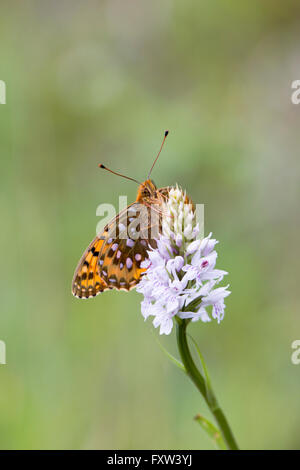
118,174
162,144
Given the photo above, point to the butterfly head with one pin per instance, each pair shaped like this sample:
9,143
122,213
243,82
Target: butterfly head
147,190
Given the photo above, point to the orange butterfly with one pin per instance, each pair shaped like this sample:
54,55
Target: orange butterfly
112,261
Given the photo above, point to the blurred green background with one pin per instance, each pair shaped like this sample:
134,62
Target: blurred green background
91,82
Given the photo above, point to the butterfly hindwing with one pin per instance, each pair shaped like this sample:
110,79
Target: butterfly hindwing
125,248
113,259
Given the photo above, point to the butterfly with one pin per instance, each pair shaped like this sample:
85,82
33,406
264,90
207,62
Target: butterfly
113,260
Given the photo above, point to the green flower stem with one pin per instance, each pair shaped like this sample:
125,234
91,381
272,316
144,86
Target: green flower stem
204,388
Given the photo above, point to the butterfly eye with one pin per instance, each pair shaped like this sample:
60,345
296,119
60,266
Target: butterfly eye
146,192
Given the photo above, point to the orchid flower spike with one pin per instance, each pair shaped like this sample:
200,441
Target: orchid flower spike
181,278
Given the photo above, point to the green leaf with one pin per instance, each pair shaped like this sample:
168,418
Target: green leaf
170,356
211,430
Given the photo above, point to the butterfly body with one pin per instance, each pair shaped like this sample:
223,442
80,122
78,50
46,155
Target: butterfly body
113,259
